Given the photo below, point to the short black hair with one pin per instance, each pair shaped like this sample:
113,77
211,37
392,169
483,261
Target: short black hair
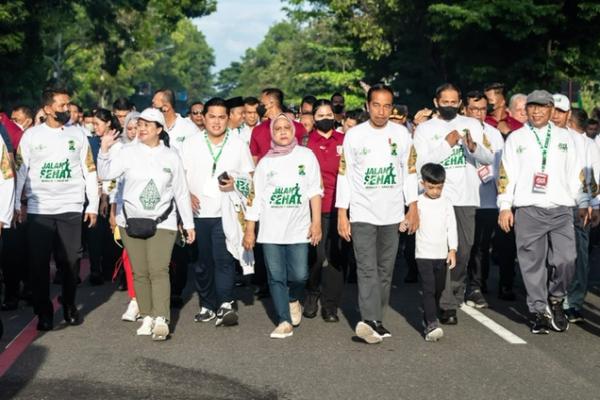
79,109
251,101
320,103
378,87
433,173
592,121
579,117
49,93
25,110
446,86
310,99
337,94
497,87
106,116
168,95
276,93
122,104
356,114
474,95
215,102
194,103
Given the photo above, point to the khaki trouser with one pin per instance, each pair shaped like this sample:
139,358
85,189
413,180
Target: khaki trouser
150,260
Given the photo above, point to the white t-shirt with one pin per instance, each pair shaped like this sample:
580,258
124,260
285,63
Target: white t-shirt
7,187
374,180
180,131
243,132
283,187
437,233
522,159
56,171
488,192
198,162
462,181
151,177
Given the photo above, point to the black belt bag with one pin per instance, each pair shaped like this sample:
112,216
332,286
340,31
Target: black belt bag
144,228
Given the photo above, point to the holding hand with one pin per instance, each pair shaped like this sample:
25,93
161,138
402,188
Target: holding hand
453,137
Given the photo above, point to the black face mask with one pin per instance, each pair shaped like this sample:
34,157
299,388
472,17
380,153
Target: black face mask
338,108
62,117
325,125
490,108
448,112
261,110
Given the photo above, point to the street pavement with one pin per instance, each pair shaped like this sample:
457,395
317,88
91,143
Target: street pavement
104,359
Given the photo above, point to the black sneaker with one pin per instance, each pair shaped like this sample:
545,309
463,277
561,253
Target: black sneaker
205,315
574,316
476,300
541,324
506,293
448,317
311,305
226,315
379,328
559,321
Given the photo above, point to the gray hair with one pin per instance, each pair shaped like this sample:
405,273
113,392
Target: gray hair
132,116
516,97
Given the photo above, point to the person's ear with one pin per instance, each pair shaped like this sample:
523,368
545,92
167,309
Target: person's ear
435,103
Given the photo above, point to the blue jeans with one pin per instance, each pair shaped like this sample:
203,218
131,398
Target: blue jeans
287,270
215,268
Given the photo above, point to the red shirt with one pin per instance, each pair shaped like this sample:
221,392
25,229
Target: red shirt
260,141
14,132
328,152
512,123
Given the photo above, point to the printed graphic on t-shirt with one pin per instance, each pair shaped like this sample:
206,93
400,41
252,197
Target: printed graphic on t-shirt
150,197
56,171
286,197
380,177
243,186
456,159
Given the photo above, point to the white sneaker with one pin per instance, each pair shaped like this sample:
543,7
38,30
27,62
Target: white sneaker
367,333
283,330
146,328
132,313
160,330
296,312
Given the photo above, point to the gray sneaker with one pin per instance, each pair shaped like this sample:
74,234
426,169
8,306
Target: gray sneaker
205,315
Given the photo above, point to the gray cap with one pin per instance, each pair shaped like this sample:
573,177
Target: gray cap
540,97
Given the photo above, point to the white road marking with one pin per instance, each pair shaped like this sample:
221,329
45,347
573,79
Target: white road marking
491,325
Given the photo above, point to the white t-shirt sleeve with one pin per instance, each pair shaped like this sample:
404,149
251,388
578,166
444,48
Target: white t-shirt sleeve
112,165
91,177
181,195
342,191
253,212
507,175
22,161
315,185
410,180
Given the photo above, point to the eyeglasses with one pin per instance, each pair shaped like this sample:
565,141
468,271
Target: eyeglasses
196,112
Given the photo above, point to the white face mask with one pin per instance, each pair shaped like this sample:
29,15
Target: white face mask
90,127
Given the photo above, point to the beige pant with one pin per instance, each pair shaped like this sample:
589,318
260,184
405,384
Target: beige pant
150,259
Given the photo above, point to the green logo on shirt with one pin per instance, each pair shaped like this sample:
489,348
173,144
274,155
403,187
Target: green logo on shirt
286,196
380,177
243,186
56,171
563,147
456,160
71,145
301,171
521,149
150,197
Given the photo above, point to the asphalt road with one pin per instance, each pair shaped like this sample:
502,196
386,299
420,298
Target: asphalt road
104,359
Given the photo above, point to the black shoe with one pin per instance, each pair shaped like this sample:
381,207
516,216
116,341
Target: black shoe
176,302
448,317
71,315
96,279
45,322
10,305
329,315
541,324
559,321
262,292
506,293
574,316
226,315
311,305
379,328
476,300
411,277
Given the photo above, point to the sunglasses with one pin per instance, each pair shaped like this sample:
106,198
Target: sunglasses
196,112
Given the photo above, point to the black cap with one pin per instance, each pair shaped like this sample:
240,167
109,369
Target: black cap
234,102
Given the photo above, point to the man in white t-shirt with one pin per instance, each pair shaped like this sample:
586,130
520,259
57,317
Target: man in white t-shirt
236,119
374,183
540,177
456,142
210,160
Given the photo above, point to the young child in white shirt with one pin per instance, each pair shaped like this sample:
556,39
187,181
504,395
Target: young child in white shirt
436,244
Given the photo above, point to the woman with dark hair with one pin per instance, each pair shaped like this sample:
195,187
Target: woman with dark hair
326,275
154,189
287,202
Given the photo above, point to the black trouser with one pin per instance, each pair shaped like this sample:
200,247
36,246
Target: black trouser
326,273
180,259
14,261
42,230
260,268
409,253
102,249
506,251
433,280
486,220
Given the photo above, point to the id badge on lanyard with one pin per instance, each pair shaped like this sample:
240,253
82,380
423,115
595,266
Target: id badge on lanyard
485,173
540,179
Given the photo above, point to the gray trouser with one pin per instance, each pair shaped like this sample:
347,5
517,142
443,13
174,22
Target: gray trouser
454,292
546,252
578,287
375,249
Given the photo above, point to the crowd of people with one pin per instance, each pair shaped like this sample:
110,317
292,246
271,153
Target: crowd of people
303,201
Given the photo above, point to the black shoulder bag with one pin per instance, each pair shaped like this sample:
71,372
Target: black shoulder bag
144,228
